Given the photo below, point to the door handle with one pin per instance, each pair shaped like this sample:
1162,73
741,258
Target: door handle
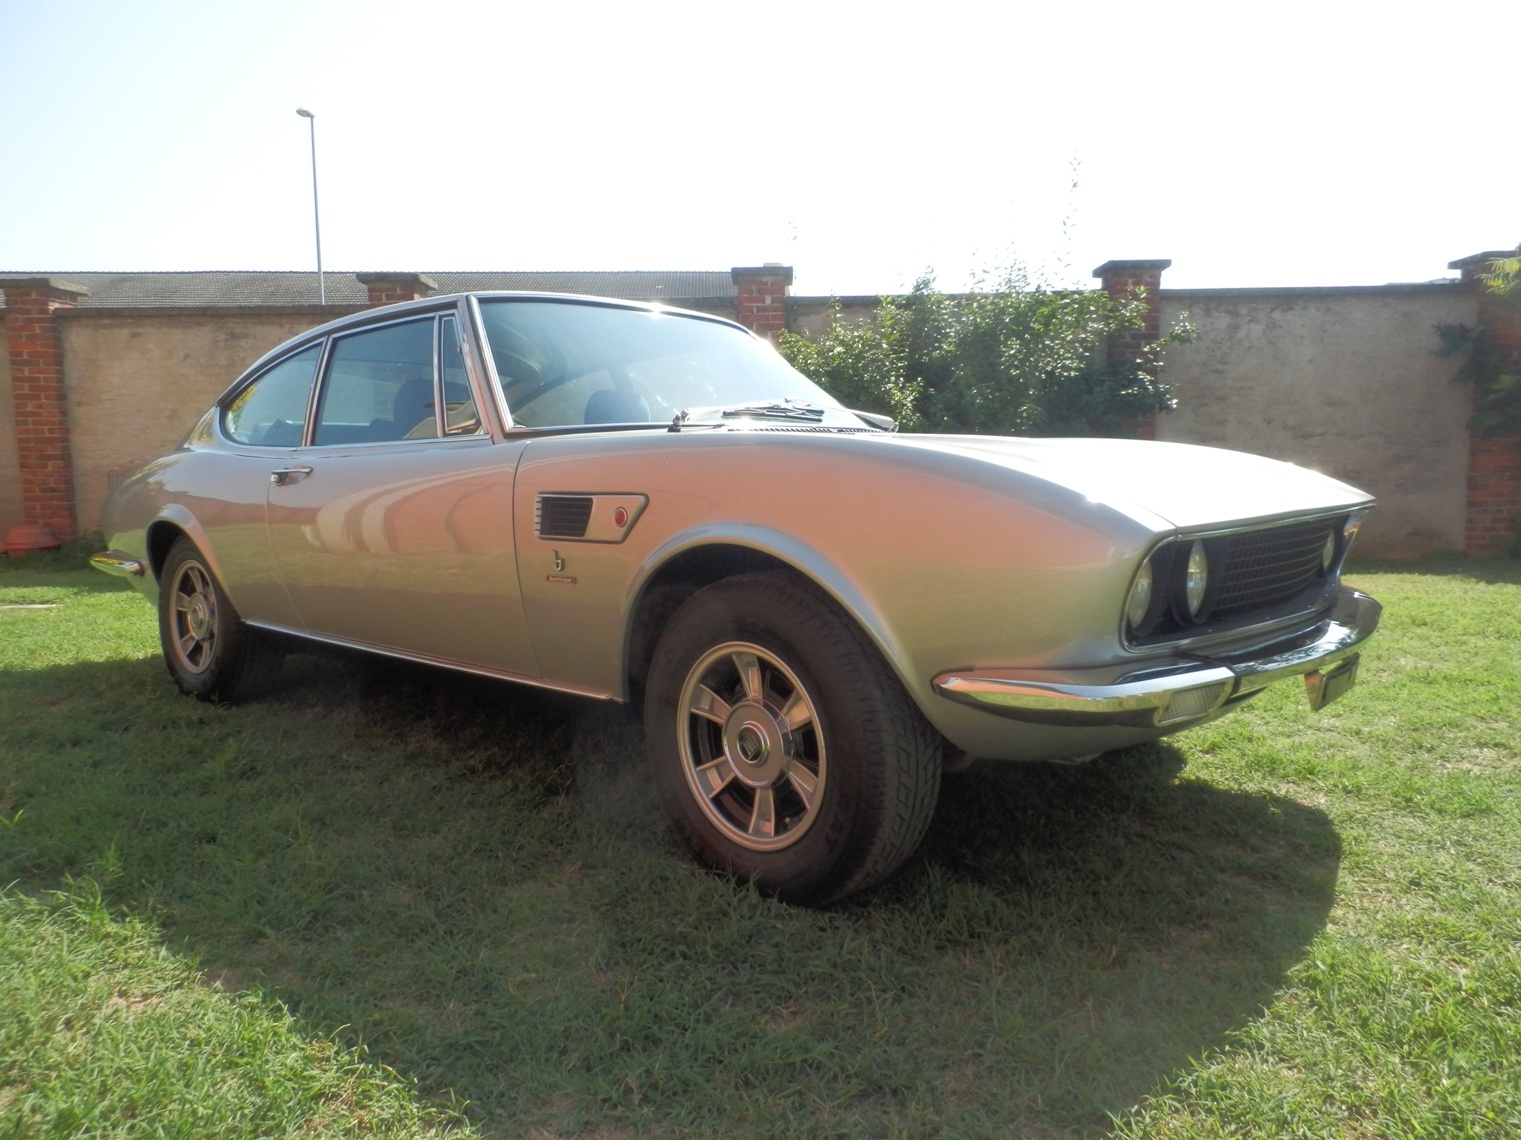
280,476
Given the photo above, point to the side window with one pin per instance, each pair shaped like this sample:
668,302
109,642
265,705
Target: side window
460,414
379,386
271,412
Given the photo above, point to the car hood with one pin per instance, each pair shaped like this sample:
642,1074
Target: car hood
1181,485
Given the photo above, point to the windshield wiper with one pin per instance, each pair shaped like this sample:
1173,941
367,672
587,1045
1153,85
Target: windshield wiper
777,409
788,409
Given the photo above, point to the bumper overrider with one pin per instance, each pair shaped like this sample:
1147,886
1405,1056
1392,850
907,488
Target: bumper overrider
1182,692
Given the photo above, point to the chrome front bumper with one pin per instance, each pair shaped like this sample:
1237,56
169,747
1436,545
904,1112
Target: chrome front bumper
1180,693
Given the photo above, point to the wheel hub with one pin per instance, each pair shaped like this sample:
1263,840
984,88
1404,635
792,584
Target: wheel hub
198,617
756,744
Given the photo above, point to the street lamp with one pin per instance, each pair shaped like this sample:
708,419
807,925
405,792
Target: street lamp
316,214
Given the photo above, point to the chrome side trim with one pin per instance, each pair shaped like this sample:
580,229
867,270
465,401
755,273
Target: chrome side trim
440,662
117,563
1185,692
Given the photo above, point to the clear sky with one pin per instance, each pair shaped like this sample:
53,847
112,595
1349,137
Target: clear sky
1279,143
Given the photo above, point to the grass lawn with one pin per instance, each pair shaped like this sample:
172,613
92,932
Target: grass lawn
384,901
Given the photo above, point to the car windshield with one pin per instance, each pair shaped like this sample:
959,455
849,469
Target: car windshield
566,363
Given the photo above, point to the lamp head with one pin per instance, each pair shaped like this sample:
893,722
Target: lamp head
304,113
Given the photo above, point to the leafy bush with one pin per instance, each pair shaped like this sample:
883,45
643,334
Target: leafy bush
1017,359
1492,368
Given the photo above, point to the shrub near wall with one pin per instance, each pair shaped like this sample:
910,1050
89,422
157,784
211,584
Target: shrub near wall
1014,360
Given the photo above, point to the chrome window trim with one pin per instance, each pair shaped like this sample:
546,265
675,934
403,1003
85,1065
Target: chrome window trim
435,316
493,380
438,377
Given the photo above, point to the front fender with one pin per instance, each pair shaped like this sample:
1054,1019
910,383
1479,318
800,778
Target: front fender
809,561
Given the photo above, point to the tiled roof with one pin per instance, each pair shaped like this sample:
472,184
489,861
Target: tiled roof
211,288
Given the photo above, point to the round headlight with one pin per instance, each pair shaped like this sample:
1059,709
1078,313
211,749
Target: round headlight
1328,552
1196,579
1139,604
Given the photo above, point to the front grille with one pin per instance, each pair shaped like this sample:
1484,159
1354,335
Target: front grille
562,516
1263,568
1253,576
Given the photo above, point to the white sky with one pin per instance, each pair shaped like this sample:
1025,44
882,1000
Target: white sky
1280,143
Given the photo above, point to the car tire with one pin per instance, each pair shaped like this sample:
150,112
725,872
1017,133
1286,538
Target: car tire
211,653
785,749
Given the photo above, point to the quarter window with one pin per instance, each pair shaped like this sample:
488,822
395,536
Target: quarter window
271,412
460,414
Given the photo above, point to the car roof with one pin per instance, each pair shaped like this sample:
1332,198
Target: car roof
446,301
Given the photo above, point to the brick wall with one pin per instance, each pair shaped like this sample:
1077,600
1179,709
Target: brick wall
762,302
1136,280
1493,505
40,403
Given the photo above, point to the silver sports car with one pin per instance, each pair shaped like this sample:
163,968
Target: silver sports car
818,614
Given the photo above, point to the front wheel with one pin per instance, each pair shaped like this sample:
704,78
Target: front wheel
210,652
785,748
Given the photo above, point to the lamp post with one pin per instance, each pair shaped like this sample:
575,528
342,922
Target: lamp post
316,214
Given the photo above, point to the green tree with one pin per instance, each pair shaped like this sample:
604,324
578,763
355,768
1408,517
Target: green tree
1504,276
1013,359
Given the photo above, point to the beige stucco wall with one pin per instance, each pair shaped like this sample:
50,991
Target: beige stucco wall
1340,380
812,315
10,462
138,380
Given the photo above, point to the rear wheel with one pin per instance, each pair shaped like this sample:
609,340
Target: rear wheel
210,652
785,748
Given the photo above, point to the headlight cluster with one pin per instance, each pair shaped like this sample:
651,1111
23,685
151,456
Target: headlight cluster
1235,577
1171,589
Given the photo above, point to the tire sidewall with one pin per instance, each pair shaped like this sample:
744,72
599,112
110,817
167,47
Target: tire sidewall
834,844
206,683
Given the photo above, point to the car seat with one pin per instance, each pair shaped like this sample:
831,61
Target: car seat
616,406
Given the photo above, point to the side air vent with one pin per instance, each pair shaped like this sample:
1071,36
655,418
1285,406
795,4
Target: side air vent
562,516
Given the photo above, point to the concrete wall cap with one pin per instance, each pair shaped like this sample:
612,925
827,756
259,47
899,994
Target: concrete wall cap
422,280
746,272
1460,263
1115,268
52,284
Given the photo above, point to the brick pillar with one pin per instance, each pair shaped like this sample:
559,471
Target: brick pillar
390,288
1494,459
762,302
40,399
1124,280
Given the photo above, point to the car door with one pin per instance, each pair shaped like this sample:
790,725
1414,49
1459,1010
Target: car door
392,527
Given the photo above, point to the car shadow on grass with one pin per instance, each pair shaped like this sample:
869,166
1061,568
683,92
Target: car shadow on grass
473,882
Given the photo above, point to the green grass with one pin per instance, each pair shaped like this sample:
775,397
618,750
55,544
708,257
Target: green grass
386,901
